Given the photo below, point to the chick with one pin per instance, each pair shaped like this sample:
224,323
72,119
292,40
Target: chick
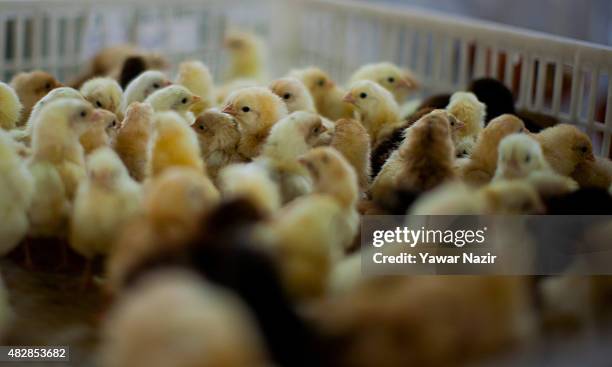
49,211
203,326
55,94
397,81
30,88
10,107
103,93
104,202
565,147
326,94
291,137
142,86
594,174
246,51
102,133
173,143
353,141
376,108
256,109
133,138
294,93
483,161
469,110
218,136
174,98
16,193
196,77
423,160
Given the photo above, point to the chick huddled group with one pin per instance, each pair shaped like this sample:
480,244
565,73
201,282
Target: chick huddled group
254,190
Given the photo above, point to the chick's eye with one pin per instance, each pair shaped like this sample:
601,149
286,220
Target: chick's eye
184,101
287,96
98,104
584,149
156,85
321,82
391,79
48,86
452,123
201,127
246,109
363,95
527,158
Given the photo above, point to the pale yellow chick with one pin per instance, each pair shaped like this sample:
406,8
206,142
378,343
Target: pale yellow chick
174,98
10,107
246,51
133,138
294,93
469,110
196,77
103,93
397,81
565,147
143,86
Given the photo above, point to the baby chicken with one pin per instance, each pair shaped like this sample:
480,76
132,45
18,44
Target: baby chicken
253,183
565,147
352,140
289,138
10,107
30,88
326,94
133,138
483,161
246,52
103,93
256,109
469,110
294,93
173,143
196,77
376,108
49,211
595,174
219,136
423,160
104,202
142,86
174,98
202,326
397,81
16,194
101,133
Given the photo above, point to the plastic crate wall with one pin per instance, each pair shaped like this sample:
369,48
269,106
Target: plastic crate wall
568,79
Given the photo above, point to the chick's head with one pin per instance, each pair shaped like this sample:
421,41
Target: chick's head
468,109
519,155
79,115
145,84
294,93
397,81
219,130
103,93
137,111
105,168
316,80
34,85
238,42
578,143
255,107
369,97
10,107
174,97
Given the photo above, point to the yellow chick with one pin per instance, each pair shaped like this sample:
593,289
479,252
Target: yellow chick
133,138
376,108
104,202
251,182
246,51
289,138
100,134
10,107
103,93
469,110
16,193
174,98
326,94
30,88
481,166
218,136
143,86
256,109
565,147
196,77
202,326
390,76
50,209
294,93
353,141
173,143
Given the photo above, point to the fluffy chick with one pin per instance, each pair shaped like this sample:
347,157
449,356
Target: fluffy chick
565,147
294,93
196,77
469,110
30,88
289,138
594,174
55,94
143,86
133,138
203,326
174,98
102,133
104,202
103,93
390,76
326,94
256,110
10,107
16,194
353,141
423,160
376,108
246,51
483,161
219,136
173,143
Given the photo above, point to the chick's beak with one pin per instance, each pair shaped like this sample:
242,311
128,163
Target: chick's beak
229,109
166,83
96,115
591,157
408,83
348,98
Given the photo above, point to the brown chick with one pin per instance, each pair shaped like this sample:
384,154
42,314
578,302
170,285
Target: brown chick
353,141
196,77
565,147
423,161
326,94
30,88
294,93
256,109
133,138
101,133
219,137
482,164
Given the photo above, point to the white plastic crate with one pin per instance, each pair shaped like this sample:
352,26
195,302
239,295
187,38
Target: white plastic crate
568,79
